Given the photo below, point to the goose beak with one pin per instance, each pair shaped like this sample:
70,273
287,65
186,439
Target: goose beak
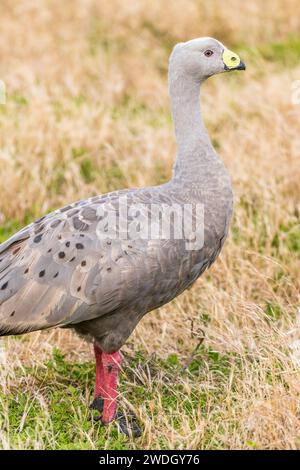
232,61
241,66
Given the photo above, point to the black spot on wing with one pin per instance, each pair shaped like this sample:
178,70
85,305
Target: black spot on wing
89,214
66,208
73,212
38,221
39,229
79,224
55,223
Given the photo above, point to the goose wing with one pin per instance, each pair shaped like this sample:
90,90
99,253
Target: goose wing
62,269
51,272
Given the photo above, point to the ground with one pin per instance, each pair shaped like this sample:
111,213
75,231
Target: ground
87,111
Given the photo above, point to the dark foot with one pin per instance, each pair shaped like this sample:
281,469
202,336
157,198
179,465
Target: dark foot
97,404
127,424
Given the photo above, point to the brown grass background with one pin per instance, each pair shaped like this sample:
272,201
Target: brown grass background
88,111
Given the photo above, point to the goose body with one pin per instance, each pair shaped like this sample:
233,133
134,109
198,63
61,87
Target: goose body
58,271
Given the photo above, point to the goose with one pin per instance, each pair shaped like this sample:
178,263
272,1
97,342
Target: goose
73,269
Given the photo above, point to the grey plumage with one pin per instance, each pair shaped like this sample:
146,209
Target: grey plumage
58,272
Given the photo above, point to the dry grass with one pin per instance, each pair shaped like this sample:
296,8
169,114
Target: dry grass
87,111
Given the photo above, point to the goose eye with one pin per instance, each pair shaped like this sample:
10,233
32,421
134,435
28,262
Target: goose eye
208,53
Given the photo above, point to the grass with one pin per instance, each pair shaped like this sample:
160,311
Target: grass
87,111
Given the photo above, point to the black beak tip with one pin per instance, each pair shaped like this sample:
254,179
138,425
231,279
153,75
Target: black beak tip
241,66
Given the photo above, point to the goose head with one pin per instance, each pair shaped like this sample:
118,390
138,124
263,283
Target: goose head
203,57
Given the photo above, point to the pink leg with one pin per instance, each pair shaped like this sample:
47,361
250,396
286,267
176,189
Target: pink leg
99,371
107,371
111,365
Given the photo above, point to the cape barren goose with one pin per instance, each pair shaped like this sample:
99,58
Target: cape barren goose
68,269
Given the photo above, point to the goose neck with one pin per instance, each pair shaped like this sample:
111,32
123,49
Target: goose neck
194,148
